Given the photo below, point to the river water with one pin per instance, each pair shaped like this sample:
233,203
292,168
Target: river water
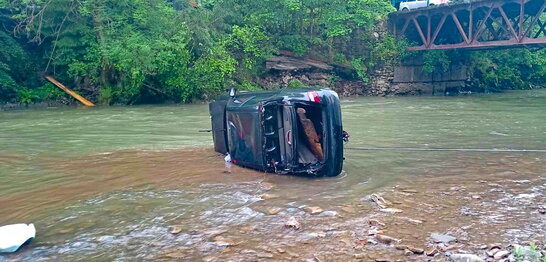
105,183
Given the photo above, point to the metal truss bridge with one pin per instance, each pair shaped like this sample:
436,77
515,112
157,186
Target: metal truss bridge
482,24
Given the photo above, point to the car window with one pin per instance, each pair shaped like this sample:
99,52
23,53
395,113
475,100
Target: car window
244,137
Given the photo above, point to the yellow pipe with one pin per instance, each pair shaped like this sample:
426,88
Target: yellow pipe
70,92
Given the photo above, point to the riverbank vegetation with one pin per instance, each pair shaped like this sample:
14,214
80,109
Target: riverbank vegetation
153,51
494,70
141,51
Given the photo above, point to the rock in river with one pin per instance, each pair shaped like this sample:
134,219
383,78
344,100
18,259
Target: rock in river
416,250
375,223
264,255
501,254
379,200
492,251
465,258
223,242
390,210
292,223
432,252
409,190
313,210
442,238
269,196
386,239
329,214
175,229
273,211
401,247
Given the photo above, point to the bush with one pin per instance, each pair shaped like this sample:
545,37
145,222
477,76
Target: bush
508,69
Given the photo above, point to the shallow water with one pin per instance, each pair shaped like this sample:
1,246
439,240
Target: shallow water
106,182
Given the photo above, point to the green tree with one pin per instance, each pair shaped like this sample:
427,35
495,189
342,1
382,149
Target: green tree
508,69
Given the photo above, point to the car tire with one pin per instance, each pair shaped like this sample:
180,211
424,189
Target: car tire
405,9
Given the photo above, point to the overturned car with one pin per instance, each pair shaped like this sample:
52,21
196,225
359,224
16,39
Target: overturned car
287,131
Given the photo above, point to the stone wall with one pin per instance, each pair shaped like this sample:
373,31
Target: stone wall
410,79
406,79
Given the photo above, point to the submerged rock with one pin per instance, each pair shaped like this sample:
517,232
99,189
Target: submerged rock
442,238
292,254
409,190
175,229
370,241
382,260
492,251
432,252
401,247
390,210
376,223
292,223
379,200
223,242
374,231
450,247
411,220
273,211
501,254
269,196
386,239
317,234
416,250
328,214
313,210
465,258
264,255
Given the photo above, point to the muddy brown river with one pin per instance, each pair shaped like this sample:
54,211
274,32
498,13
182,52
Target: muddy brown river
108,183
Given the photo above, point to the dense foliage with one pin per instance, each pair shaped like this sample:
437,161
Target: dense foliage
146,51
493,70
508,69
135,51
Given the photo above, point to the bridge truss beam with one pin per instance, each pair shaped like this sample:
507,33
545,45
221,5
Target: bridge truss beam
484,24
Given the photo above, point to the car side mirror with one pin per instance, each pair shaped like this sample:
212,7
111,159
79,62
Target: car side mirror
232,92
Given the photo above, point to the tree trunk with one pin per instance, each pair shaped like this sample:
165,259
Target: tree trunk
98,23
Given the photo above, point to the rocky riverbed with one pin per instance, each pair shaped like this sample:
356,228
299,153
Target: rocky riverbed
140,183
494,217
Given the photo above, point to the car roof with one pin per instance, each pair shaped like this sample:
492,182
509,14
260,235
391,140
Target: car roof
251,99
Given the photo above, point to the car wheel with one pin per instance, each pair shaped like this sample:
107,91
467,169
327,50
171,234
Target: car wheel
405,9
